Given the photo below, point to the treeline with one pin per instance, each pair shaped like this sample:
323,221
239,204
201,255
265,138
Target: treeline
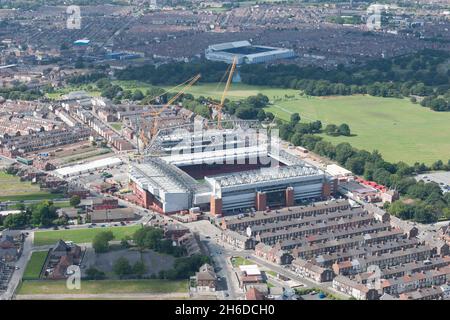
184,267
40,215
86,78
294,130
174,73
153,238
420,74
436,102
20,92
429,203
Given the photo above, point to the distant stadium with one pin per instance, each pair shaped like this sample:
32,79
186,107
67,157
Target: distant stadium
246,53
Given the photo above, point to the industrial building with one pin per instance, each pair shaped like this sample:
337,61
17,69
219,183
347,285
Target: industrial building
224,174
246,53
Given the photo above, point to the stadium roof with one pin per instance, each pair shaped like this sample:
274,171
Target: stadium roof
264,175
154,175
229,45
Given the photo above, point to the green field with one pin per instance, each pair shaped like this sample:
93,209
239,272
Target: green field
104,286
239,261
34,266
117,125
80,235
94,92
399,129
12,189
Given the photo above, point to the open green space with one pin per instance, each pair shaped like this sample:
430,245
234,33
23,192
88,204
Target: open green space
34,266
117,125
81,235
91,90
105,286
399,129
12,189
239,261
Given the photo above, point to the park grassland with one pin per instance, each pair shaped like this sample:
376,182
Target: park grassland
34,266
104,287
12,189
399,129
81,235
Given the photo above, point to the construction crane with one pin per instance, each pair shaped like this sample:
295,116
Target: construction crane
155,113
225,92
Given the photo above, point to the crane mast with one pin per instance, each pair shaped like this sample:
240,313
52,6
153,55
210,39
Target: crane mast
225,92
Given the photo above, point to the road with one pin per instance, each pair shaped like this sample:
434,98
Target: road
21,263
221,257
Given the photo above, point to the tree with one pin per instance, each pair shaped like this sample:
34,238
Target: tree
101,241
344,129
75,200
122,267
261,116
94,274
296,139
43,214
148,237
331,130
137,95
270,116
295,118
139,269
343,152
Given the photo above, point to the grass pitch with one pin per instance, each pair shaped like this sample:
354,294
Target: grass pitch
81,235
12,189
105,286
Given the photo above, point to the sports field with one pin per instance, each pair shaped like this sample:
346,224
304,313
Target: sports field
81,235
105,286
399,129
12,189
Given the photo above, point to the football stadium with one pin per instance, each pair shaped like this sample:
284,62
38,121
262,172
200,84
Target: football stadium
224,172
246,53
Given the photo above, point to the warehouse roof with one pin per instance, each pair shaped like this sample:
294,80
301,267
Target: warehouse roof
86,167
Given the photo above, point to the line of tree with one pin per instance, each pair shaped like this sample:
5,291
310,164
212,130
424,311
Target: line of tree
153,238
42,214
429,203
20,92
419,74
184,267
174,73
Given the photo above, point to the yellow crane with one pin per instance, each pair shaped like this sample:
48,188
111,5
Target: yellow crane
225,92
155,113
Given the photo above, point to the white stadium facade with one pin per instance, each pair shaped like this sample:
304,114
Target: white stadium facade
246,53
